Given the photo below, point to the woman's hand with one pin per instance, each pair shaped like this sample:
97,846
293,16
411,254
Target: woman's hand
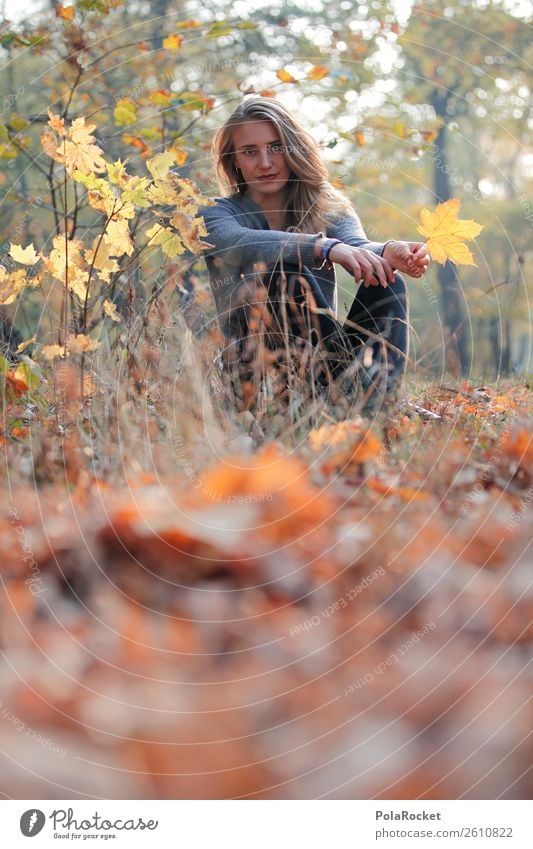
363,264
408,257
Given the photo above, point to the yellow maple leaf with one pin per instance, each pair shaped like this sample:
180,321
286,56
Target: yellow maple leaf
83,157
78,280
160,164
172,42
285,77
445,233
116,172
49,144
116,209
62,251
135,194
11,284
26,256
57,123
77,151
93,183
80,132
169,241
190,230
118,236
110,309
163,193
102,257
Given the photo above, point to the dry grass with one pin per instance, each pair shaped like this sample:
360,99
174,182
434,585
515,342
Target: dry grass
284,600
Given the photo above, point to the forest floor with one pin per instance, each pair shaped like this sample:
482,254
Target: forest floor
270,608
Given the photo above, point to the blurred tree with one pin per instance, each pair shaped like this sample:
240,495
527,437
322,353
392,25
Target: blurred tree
459,58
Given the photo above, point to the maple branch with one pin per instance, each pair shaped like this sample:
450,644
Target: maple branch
64,306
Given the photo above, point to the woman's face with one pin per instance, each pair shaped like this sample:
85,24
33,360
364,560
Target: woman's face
260,156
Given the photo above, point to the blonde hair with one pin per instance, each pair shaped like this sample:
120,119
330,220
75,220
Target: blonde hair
311,200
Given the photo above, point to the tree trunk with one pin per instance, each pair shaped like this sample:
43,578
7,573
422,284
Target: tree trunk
453,301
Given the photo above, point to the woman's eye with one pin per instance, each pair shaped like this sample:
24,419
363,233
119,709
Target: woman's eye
277,148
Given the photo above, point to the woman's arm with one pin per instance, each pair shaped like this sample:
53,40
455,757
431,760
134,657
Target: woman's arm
408,257
241,246
348,229
357,254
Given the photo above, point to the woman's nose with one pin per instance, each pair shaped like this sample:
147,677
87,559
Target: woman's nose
265,158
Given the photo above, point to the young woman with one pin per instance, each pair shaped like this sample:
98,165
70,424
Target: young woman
277,233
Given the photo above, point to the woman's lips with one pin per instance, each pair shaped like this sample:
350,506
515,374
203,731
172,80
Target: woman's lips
268,177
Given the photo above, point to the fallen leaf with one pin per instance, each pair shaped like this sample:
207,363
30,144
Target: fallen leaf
324,437
18,386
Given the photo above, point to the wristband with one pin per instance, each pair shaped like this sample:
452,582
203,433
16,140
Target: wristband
324,252
390,241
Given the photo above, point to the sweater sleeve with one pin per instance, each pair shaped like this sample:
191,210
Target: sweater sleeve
242,246
348,229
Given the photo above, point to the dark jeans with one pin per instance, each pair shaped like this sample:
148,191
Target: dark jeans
375,332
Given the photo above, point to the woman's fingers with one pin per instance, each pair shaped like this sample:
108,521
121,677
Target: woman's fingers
379,271
364,264
382,269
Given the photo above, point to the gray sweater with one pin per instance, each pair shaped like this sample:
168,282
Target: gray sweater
241,236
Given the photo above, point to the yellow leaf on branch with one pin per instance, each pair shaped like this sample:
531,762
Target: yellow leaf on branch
83,157
57,123
180,155
118,237
11,284
160,164
169,241
172,42
26,256
59,261
110,309
285,77
190,230
23,345
445,233
317,72
103,259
